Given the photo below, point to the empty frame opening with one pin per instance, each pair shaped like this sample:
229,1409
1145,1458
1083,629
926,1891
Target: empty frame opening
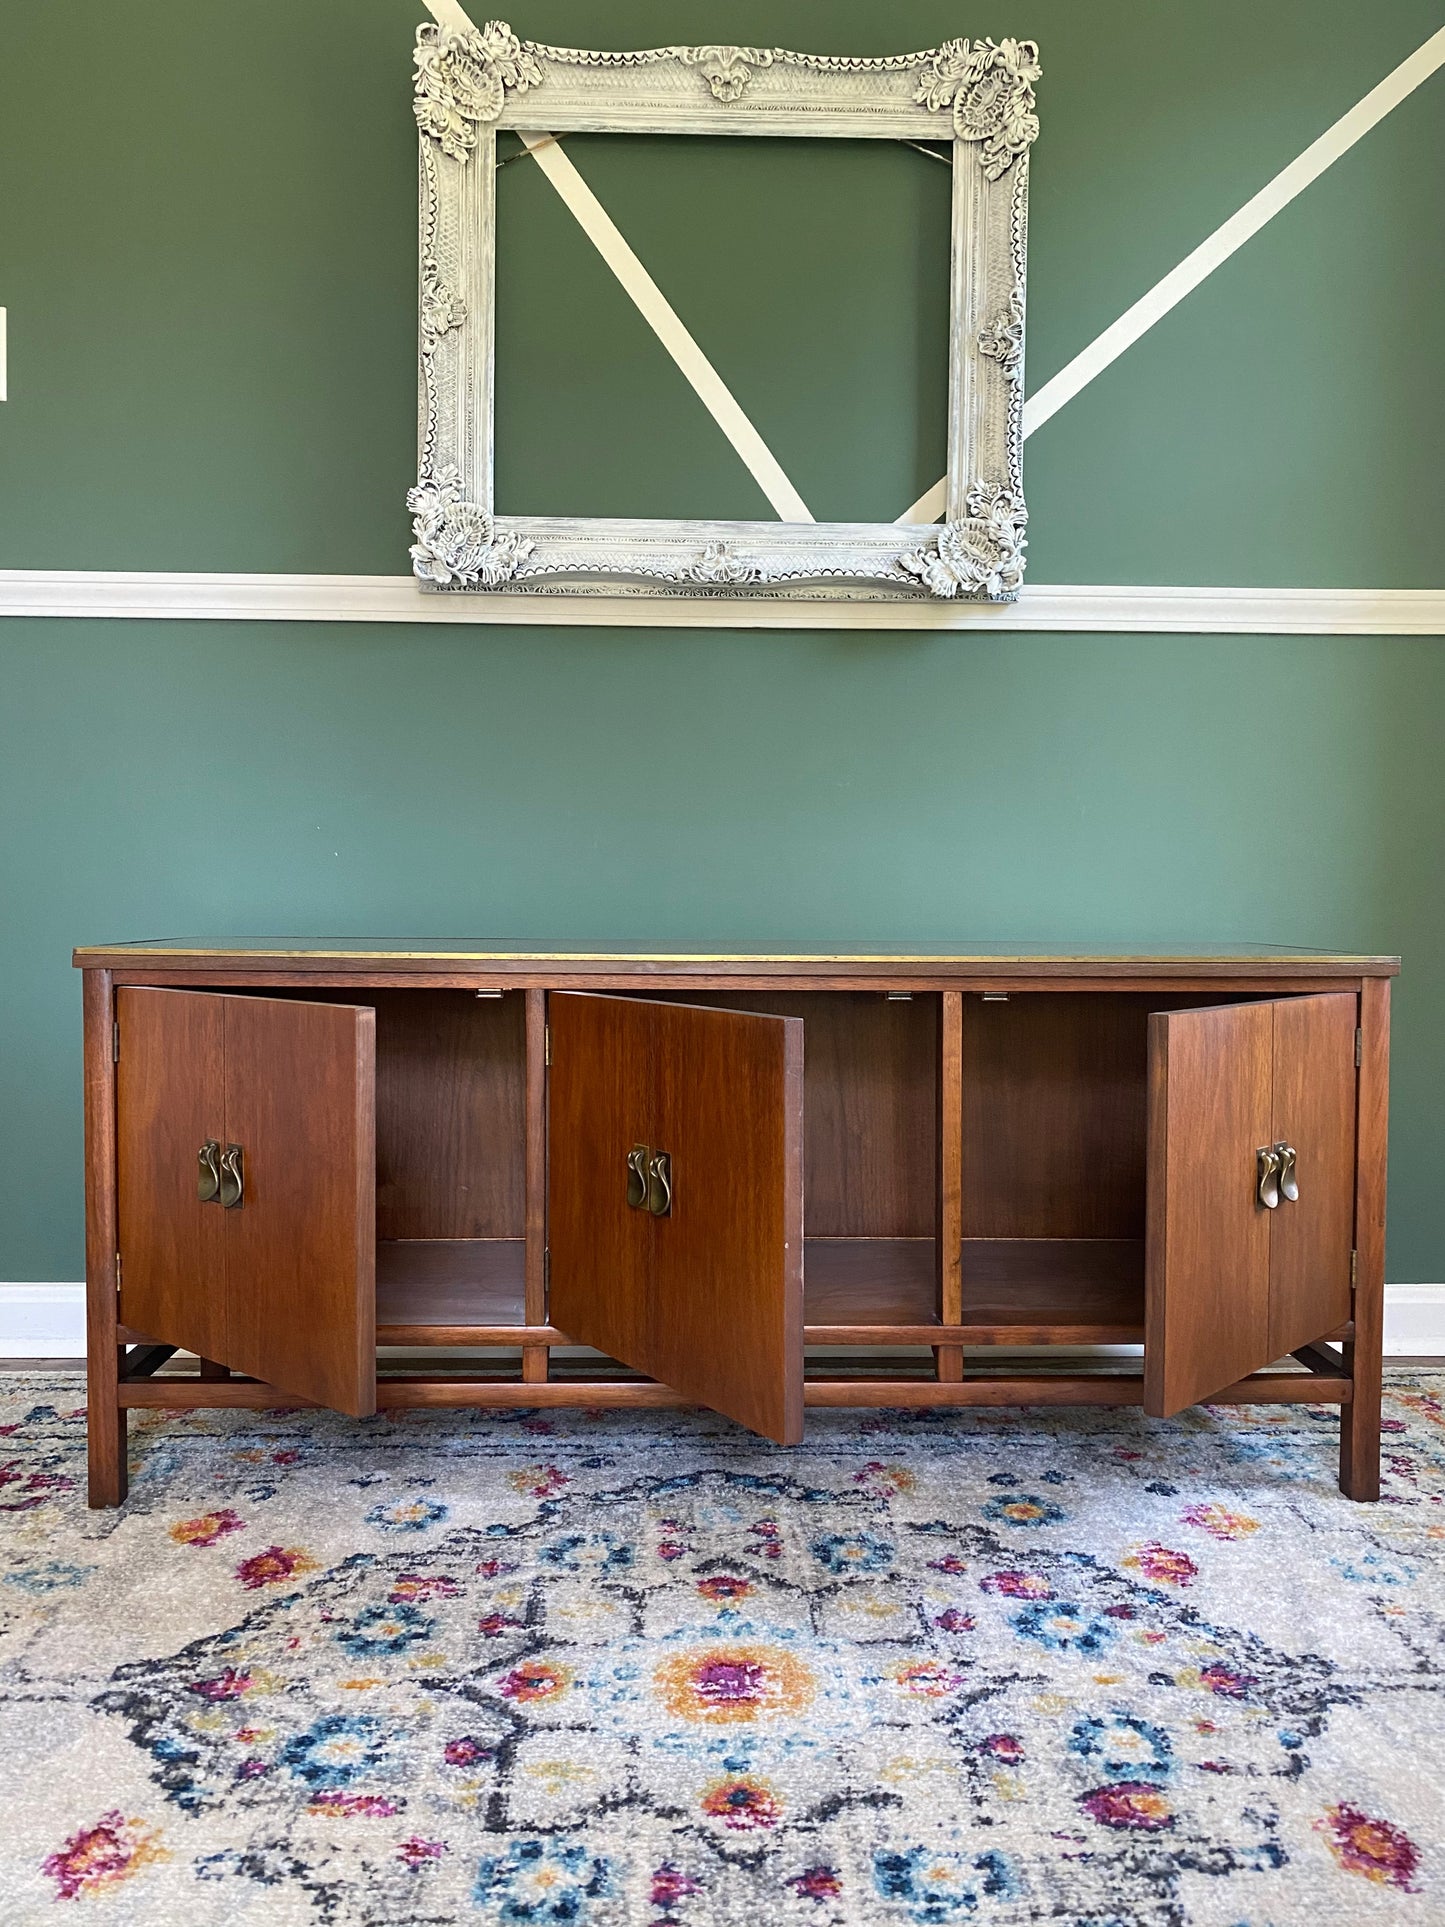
757,246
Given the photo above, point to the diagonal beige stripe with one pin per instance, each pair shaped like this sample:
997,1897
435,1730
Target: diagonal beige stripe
1225,240
712,391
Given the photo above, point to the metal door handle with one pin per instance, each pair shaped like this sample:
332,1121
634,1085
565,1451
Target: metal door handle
1267,1188
1288,1181
233,1177
208,1178
637,1159
659,1184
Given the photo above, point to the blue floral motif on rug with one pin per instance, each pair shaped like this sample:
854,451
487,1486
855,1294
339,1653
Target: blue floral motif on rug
604,1669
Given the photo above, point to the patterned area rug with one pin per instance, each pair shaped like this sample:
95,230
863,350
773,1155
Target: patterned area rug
646,1671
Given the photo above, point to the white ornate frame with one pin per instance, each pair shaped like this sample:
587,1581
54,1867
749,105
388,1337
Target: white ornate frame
978,94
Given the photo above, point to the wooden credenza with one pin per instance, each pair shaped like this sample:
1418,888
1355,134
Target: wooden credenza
754,1182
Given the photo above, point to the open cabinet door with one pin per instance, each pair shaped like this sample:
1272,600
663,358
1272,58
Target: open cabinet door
245,1137
691,1269
1239,1272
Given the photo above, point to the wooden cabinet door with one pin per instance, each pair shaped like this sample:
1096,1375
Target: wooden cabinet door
170,1085
709,1297
281,1285
1232,1285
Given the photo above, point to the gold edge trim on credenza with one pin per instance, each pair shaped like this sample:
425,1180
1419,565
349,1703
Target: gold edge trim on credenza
1318,958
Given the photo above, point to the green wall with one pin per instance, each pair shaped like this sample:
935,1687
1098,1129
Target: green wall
207,251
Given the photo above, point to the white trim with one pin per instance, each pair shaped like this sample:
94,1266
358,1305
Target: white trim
1414,1321
42,1321
161,594
711,390
48,1321
1216,249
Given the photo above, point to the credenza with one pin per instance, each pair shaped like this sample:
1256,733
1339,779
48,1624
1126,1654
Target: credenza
376,1174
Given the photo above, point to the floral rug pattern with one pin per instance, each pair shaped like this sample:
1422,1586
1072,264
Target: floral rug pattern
604,1670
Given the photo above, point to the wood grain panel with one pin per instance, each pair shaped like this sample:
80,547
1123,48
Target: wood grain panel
1314,1110
710,1299
601,1100
450,1115
424,1281
727,1324
1054,1102
170,1098
870,1084
301,1249
1208,1238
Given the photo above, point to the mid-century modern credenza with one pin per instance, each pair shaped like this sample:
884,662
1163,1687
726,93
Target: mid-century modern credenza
758,1182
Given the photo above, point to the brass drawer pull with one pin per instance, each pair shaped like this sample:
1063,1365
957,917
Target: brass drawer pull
1288,1181
637,1177
659,1184
208,1178
233,1178
1267,1161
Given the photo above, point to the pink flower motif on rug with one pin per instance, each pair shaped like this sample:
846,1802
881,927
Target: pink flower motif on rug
1379,1850
417,1852
95,1859
1129,1803
1218,1521
274,1566
1164,1566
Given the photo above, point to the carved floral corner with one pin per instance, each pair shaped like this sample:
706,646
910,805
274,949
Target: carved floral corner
990,86
727,70
462,81
457,542
980,555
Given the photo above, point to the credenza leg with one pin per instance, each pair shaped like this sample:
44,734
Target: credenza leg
105,1428
1360,1420
1360,1427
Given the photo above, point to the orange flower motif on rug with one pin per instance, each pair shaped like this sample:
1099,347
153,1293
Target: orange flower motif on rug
731,1685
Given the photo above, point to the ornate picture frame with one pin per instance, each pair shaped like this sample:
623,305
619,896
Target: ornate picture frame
978,95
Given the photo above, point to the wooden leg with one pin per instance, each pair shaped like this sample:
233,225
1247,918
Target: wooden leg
1360,1420
105,1429
105,1421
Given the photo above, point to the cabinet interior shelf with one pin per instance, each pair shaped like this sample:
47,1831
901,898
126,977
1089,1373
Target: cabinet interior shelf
857,1291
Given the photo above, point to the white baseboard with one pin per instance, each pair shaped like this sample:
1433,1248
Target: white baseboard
48,1321
42,1321
1112,609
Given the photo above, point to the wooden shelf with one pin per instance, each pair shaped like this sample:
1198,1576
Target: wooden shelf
1016,1291
453,1291
858,1291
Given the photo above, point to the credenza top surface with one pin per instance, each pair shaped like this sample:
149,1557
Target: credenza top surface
403,957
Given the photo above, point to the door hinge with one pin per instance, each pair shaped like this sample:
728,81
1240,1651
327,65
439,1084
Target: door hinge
546,1267
1354,1267
115,1041
1359,1048
117,1277
546,1043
